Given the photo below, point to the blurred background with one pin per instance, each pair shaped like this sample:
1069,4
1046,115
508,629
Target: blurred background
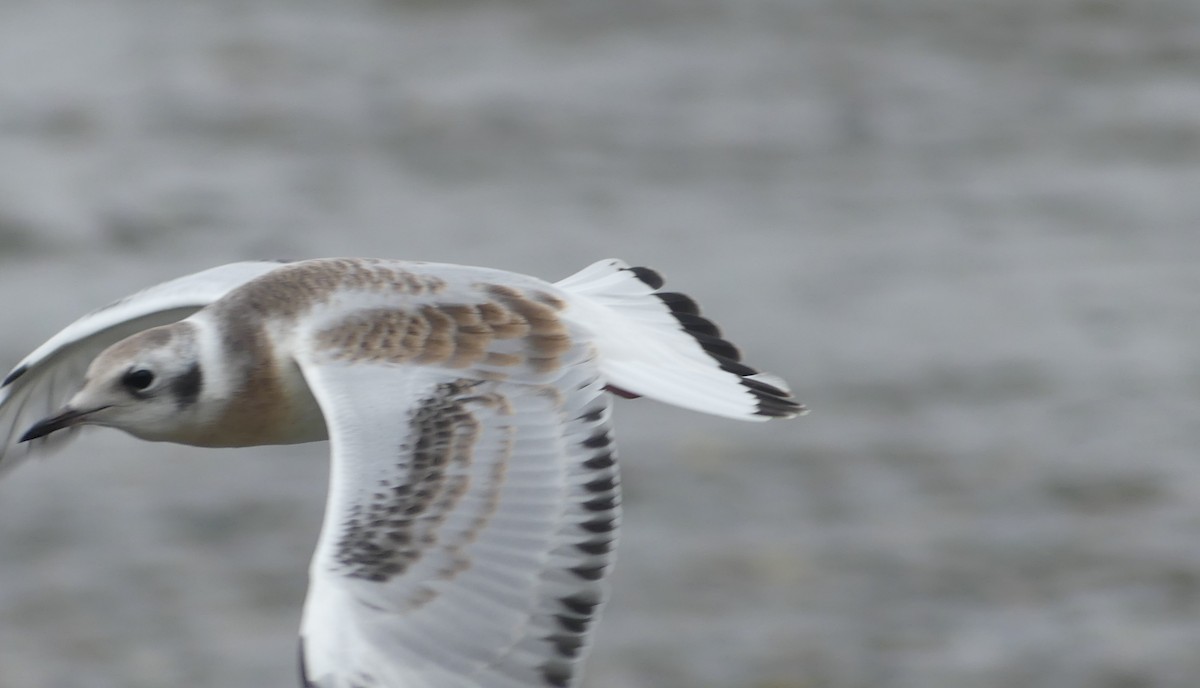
965,231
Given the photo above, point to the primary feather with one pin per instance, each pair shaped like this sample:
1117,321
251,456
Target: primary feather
474,498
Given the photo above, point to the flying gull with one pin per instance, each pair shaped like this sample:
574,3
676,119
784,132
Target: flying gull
473,497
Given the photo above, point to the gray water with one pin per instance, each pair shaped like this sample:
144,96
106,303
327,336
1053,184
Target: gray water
966,232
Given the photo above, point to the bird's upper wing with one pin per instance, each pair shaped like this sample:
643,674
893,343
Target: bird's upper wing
43,381
472,508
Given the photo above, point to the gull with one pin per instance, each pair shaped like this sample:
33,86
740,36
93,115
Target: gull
473,499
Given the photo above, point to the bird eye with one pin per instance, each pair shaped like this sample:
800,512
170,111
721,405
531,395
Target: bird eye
138,380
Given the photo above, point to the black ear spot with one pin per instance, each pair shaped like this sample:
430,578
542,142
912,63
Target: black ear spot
137,380
186,387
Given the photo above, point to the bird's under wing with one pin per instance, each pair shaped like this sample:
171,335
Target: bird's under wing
469,527
46,378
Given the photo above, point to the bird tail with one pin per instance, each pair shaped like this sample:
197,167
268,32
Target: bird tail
655,344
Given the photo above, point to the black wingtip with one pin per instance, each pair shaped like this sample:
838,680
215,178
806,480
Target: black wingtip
679,303
716,346
650,277
695,323
776,407
703,330
16,373
771,401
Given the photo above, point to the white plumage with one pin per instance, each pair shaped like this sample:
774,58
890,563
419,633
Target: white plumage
474,498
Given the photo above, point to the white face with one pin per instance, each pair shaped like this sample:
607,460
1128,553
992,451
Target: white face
147,385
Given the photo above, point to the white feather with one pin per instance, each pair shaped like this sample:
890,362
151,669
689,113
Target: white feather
472,510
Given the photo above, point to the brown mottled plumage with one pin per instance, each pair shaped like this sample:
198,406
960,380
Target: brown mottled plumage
474,495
